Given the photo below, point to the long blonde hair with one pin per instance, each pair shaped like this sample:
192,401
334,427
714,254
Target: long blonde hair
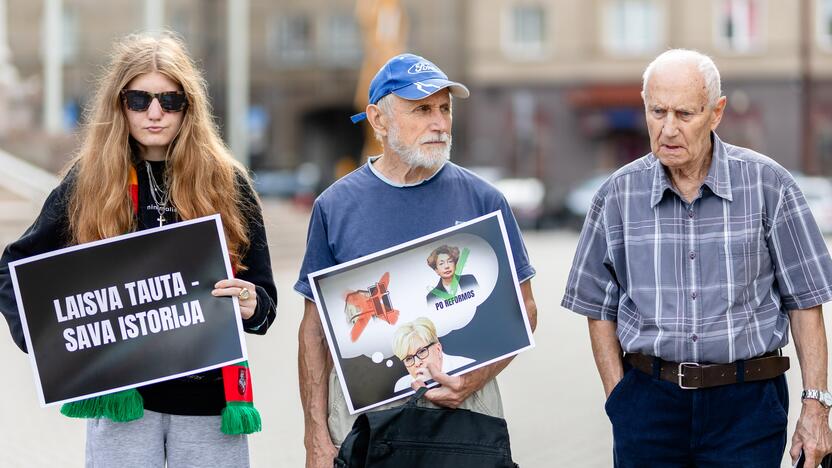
202,174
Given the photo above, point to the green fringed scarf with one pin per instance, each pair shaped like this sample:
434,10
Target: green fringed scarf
238,417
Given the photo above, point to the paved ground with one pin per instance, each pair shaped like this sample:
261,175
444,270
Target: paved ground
552,395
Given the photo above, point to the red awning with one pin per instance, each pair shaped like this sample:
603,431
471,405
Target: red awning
601,96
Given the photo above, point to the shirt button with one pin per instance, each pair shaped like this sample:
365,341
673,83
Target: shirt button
693,295
694,337
690,213
692,255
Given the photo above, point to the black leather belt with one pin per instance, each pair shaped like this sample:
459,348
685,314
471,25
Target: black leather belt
691,375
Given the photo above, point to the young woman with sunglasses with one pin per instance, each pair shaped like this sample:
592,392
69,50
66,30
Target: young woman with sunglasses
150,123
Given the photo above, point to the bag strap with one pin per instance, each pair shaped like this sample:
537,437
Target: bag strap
419,394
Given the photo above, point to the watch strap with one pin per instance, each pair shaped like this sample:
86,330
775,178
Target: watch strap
821,396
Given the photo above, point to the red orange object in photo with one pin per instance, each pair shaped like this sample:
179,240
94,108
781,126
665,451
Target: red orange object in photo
374,302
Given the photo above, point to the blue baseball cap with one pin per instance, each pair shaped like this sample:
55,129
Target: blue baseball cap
410,77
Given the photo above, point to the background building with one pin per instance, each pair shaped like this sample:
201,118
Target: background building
559,84
555,83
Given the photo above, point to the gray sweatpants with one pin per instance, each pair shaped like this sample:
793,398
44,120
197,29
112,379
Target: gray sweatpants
186,442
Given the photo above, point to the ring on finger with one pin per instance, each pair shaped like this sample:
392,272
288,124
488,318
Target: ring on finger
244,294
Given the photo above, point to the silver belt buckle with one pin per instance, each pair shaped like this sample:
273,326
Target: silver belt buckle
680,374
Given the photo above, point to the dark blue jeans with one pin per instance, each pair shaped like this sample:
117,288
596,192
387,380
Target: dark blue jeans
656,424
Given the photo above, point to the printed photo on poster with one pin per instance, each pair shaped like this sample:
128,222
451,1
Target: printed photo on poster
106,316
451,298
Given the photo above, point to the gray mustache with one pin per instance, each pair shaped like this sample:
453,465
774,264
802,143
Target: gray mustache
441,138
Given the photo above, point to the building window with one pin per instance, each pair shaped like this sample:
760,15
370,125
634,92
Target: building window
631,27
342,41
291,40
824,17
524,31
739,25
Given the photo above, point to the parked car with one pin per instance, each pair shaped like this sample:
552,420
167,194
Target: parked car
579,198
525,195
816,190
298,183
818,194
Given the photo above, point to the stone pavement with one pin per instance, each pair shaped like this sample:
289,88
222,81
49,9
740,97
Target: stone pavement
552,394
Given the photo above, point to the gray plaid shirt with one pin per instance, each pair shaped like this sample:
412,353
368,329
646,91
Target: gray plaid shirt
709,281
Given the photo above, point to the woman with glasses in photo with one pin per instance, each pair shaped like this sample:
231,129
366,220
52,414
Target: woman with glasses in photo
150,156
417,346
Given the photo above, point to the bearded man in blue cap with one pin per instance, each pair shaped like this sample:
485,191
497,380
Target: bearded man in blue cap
411,190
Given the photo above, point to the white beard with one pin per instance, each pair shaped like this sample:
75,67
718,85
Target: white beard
418,156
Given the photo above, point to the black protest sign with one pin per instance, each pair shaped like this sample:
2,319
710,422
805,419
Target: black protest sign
128,311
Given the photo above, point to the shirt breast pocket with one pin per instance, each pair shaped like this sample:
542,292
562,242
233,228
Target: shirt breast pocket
740,266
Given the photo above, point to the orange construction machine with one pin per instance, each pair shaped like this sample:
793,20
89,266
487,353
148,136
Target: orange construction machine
374,302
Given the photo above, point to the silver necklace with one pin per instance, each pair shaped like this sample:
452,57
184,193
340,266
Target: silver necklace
160,197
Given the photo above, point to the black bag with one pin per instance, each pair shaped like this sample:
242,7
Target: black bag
411,436
825,463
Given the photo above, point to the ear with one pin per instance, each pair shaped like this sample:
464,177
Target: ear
377,119
718,112
438,345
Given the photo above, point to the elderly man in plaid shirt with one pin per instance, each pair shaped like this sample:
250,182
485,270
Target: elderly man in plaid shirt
692,263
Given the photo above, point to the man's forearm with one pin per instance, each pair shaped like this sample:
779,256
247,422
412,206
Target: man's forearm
528,301
812,435
314,365
810,342
607,352
477,379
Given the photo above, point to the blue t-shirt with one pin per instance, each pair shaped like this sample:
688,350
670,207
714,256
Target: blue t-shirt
364,212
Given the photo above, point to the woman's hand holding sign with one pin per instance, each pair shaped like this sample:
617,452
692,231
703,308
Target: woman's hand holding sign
246,294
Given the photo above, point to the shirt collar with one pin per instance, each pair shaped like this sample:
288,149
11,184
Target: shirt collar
372,159
718,178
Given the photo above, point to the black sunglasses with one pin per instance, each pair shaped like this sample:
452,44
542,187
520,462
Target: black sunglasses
139,101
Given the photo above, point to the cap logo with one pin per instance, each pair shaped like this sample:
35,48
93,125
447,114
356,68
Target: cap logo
421,67
425,87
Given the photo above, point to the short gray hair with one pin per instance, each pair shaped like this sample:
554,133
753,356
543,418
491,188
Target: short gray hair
703,63
403,338
385,105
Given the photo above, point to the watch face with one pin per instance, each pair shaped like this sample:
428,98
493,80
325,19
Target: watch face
826,399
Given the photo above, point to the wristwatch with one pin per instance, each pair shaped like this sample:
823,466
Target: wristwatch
822,396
